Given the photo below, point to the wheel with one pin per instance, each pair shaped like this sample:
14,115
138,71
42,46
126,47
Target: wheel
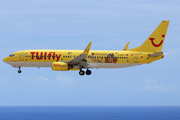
19,71
88,72
81,72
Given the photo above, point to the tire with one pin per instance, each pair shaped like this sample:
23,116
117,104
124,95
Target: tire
81,72
88,72
19,71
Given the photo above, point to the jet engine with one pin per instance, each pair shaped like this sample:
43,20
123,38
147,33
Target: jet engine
60,66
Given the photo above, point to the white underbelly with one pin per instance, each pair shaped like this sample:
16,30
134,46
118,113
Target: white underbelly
30,64
91,65
112,65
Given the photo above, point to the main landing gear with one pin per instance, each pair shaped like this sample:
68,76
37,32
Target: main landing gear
88,72
19,71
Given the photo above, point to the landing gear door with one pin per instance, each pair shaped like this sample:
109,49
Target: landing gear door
136,58
21,56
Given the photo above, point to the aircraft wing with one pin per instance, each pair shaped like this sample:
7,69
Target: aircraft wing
81,59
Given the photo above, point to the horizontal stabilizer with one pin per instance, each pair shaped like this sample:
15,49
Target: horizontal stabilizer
156,54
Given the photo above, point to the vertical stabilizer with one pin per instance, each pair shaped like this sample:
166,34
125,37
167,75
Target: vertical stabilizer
155,41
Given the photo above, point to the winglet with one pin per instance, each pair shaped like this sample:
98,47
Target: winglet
86,51
125,48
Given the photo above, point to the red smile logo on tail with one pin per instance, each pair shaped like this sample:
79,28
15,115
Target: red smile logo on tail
156,45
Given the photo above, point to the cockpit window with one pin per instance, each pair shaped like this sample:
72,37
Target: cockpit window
11,55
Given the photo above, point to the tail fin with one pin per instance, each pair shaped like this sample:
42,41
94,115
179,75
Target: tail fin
155,41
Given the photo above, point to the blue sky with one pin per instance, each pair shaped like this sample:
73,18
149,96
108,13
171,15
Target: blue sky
72,24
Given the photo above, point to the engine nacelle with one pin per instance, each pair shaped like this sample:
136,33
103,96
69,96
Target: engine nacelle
60,66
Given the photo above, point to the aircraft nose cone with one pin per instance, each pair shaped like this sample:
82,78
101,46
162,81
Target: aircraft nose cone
5,59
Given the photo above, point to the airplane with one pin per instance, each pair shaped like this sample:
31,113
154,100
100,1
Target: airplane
65,60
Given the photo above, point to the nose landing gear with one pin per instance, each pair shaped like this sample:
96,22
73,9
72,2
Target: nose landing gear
19,71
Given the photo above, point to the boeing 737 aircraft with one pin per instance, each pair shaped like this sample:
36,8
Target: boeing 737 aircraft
64,60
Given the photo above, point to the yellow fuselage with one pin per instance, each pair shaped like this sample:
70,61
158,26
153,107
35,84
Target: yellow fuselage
113,58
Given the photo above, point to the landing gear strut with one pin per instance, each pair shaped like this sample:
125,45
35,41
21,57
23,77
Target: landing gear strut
19,71
88,72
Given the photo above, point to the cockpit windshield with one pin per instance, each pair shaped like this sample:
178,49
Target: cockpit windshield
11,55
